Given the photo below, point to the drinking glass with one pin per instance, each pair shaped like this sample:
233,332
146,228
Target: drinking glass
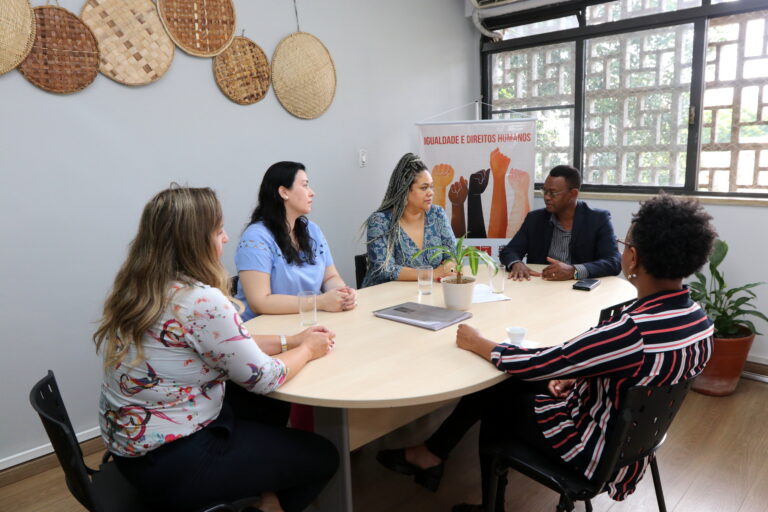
307,308
424,278
499,279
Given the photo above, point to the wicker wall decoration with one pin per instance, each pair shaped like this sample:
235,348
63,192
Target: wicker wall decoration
242,72
203,28
17,32
303,75
64,57
134,48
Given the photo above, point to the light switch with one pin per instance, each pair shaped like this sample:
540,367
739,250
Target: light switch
363,157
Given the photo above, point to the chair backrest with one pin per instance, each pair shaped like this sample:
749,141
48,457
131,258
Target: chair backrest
644,417
612,311
46,400
361,267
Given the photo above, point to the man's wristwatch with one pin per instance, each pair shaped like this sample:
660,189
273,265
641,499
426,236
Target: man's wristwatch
283,343
575,273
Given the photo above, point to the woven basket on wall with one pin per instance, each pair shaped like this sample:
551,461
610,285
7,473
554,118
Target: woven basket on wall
242,72
17,33
203,28
303,75
133,45
64,57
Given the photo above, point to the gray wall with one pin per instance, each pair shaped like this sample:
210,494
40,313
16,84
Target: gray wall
76,170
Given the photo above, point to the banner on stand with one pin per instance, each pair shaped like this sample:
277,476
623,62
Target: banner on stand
483,176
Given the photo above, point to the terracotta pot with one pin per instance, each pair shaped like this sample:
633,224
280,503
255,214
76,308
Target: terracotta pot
722,373
458,296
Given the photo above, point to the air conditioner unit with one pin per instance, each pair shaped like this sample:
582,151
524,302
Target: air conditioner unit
485,4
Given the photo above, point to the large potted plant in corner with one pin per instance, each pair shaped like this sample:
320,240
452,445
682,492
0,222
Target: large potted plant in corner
458,289
728,308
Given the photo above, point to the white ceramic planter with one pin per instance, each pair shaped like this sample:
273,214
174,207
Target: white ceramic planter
458,296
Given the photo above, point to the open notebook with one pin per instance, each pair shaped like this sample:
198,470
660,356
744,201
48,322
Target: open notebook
423,315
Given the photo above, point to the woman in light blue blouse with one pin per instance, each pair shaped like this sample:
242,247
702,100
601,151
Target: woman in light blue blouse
282,253
406,222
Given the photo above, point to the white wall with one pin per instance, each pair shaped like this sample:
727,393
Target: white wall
76,170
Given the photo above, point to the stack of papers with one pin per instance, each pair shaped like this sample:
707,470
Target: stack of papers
483,293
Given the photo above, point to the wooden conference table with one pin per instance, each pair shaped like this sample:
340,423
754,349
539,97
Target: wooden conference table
384,374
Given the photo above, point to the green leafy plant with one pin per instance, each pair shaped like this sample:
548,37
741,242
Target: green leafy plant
726,306
458,254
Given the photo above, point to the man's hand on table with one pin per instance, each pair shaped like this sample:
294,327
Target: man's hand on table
557,271
520,271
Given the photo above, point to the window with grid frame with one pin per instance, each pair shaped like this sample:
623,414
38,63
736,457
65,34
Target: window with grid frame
637,100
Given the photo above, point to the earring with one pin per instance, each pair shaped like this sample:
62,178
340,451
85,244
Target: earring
630,276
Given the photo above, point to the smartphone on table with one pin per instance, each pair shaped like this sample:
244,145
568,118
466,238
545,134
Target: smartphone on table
586,284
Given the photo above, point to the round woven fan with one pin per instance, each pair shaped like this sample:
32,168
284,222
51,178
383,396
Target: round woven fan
203,28
17,33
64,57
303,75
133,45
242,72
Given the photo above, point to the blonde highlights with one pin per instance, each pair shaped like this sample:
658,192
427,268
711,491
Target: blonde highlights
175,243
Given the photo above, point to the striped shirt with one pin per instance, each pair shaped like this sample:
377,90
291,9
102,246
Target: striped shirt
658,340
560,246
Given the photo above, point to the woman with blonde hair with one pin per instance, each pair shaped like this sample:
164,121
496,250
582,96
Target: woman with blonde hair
171,339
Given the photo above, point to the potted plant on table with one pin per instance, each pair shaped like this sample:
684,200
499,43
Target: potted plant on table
458,289
734,333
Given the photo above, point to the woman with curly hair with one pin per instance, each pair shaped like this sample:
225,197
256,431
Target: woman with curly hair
404,223
282,253
172,342
563,400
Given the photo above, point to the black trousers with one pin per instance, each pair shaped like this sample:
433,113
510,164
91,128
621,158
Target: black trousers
247,450
504,410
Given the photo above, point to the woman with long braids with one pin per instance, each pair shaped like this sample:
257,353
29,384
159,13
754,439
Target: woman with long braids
282,253
172,343
404,223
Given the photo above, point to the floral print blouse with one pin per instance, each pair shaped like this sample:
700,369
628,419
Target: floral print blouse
437,231
197,344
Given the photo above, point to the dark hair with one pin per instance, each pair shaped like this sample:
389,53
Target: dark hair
673,236
271,211
571,175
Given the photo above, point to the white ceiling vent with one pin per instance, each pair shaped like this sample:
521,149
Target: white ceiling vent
484,4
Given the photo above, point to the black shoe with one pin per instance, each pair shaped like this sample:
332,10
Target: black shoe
466,507
395,460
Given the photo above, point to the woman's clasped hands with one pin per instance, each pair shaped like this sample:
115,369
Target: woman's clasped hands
343,298
316,340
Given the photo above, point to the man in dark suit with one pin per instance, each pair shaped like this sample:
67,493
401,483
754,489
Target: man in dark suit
575,240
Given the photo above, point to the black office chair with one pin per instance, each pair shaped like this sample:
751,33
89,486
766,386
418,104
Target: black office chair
612,311
641,427
361,267
102,490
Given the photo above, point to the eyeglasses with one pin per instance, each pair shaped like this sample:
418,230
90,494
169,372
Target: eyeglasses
552,193
624,243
